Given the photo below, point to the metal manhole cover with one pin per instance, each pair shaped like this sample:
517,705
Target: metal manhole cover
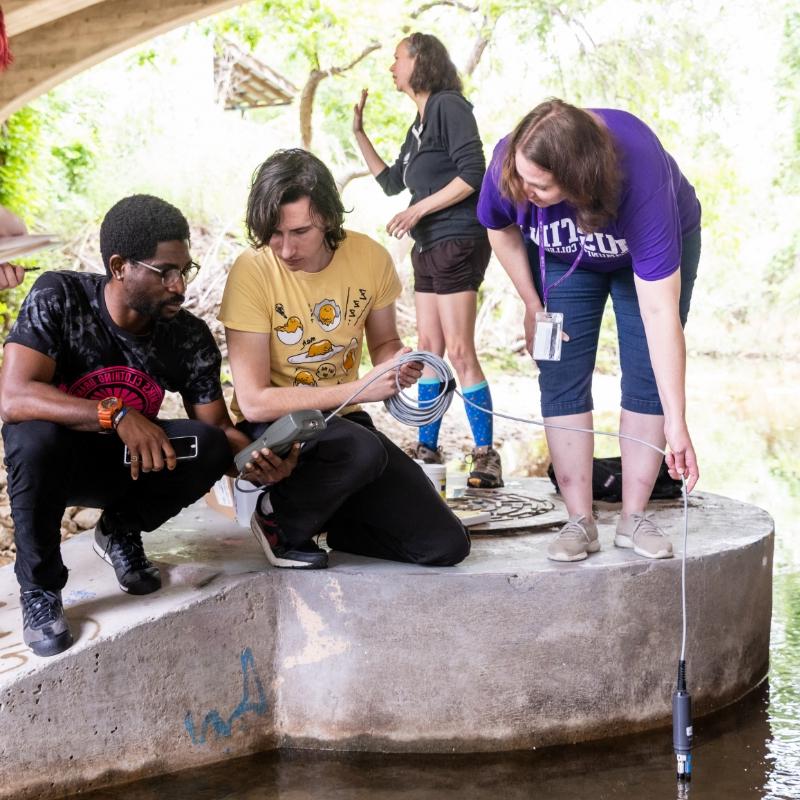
509,510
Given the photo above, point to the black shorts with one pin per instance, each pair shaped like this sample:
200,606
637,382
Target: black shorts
455,265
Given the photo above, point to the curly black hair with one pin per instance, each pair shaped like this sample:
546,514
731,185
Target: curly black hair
286,176
135,225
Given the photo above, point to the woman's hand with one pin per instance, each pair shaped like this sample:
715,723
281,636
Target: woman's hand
681,458
358,112
400,224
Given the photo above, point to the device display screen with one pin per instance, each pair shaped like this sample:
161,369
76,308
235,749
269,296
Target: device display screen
184,446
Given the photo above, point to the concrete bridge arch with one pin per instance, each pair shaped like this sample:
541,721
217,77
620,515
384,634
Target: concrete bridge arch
53,40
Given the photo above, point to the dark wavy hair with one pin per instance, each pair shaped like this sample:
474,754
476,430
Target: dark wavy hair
578,150
286,176
135,225
433,69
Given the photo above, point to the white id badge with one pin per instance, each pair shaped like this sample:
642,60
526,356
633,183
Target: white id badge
547,339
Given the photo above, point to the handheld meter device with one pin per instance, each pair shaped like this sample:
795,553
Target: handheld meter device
300,426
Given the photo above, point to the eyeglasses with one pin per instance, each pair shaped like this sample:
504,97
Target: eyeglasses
171,275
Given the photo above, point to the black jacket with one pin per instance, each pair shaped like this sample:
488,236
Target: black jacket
445,146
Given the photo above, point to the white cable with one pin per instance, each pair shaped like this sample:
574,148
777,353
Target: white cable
406,409
683,564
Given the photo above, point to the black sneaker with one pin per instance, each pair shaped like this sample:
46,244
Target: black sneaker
44,626
124,551
271,538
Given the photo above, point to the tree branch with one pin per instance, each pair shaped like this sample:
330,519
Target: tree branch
433,3
307,95
347,177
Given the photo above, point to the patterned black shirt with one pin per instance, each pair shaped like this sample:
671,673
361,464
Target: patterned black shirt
65,317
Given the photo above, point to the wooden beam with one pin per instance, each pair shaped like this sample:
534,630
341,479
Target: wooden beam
49,54
23,15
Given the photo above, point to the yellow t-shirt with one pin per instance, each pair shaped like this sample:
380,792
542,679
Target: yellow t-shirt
316,320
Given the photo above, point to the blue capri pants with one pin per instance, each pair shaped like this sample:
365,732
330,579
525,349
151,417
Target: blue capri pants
566,385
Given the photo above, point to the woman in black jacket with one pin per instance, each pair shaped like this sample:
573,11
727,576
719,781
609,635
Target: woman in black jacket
441,163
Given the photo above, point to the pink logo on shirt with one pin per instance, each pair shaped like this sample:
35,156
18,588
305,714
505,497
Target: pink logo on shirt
134,387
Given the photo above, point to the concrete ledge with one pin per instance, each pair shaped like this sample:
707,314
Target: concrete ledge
506,651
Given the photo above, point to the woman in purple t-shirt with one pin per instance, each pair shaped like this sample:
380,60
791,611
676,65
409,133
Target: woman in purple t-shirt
583,204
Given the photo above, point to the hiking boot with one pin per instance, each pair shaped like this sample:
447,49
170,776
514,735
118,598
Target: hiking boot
487,471
124,551
641,533
44,626
421,452
272,540
575,540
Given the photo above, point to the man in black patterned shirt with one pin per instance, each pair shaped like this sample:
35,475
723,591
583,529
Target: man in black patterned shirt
85,370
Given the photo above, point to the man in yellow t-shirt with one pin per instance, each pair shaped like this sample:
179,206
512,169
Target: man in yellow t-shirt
296,309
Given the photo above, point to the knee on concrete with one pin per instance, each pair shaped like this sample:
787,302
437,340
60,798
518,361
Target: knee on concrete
449,545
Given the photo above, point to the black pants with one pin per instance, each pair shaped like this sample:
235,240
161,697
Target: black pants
51,467
369,496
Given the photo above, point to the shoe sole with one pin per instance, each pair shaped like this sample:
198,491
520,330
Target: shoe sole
107,559
626,542
479,483
592,547
276,561
55,646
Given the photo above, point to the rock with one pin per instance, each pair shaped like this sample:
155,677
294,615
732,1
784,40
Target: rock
86,518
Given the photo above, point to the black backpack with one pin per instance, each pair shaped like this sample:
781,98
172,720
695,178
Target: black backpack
607,481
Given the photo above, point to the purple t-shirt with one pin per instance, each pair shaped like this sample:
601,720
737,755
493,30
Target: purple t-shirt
658,207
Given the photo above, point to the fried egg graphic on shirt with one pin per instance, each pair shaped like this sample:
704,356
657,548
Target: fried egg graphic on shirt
322,350
304,378
326,371
328,314
291,332
350,354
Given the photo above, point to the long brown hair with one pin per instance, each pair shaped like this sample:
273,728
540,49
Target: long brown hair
580,153
433,70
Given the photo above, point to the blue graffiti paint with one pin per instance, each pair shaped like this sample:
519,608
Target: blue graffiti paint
251,687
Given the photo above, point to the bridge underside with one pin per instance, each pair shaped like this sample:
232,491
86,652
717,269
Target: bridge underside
53,40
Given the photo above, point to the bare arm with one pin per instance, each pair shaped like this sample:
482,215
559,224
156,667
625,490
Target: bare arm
509,247
454,192
27,393
384,343
375,163
260,401
658,303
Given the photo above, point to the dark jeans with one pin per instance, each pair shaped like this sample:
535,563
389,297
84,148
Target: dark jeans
566,385
369,496
51,467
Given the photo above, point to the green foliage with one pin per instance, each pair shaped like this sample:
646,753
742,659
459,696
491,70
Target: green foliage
77,162
19,159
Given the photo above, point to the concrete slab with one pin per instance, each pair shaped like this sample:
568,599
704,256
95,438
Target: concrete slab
506,651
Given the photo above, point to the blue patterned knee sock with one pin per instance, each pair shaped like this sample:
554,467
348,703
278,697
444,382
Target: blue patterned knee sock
427,390
479,421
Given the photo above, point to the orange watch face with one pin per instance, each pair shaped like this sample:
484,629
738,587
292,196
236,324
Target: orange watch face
106,409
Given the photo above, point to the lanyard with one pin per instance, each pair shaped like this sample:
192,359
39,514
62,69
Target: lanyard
545,288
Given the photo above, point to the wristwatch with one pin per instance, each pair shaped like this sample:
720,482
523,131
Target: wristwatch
106,409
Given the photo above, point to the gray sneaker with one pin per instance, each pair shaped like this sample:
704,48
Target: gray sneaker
641,533
575,540
421,452
44,627
487,471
